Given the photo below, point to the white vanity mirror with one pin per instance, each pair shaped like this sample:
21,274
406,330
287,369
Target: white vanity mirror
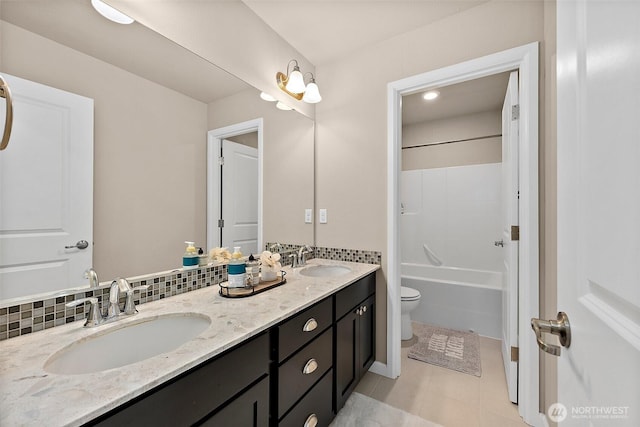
154,104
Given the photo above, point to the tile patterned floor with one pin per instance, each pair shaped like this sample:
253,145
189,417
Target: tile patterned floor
448,397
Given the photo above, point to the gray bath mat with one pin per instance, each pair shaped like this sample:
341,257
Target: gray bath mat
456,350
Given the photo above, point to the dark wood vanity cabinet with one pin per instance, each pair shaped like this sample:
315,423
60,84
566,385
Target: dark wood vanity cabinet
233,386
299,372
355,336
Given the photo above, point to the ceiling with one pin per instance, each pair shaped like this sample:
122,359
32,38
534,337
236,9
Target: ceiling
327,30
473,96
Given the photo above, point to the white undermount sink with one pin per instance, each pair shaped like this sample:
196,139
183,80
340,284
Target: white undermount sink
129,344
325,271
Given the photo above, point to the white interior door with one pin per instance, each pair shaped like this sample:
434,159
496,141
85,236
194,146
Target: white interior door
510,190
599,212
46,191
240,197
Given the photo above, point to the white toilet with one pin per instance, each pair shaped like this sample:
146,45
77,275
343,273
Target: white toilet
409,300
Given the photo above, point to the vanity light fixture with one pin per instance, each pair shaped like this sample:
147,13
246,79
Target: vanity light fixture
293,84
110,13
431,95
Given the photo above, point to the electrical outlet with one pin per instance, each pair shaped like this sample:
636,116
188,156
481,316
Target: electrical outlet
323,216
308,216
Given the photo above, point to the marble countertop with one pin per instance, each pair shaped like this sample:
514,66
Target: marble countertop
29,395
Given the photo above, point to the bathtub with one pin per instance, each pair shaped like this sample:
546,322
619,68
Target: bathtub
457,298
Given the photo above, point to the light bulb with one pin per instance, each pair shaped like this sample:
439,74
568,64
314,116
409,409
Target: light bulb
110,13
431,95
312,93
267,97
282,106
295,84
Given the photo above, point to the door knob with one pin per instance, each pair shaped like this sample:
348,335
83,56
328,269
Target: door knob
559,327
82,244
499,243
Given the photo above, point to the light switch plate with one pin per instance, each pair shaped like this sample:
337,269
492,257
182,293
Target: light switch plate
308,216
323,216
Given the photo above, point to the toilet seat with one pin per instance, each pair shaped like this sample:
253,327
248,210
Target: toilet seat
409,294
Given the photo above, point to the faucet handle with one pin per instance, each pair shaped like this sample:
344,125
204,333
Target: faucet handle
95,315
129,305
294,260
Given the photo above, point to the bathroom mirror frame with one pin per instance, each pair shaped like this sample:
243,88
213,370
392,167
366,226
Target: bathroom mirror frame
176,247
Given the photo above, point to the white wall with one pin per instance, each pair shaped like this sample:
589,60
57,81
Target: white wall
456,212
479,151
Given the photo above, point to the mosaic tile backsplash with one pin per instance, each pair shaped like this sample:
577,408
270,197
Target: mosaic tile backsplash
37,315
42,314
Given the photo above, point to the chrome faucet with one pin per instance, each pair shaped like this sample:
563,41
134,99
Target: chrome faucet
117,286
302,252
95,316
93,277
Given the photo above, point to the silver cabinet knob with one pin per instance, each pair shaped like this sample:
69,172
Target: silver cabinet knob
312,421
310,366
310,325
81,244
364,308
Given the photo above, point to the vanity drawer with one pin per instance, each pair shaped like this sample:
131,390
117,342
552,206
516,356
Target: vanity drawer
302,328
316,404
354,294
293,382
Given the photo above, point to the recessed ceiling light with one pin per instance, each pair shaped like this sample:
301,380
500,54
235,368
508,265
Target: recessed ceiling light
431,95
267,97
110,13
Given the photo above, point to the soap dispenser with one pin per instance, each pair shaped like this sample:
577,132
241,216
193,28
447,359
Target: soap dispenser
190,257
236,270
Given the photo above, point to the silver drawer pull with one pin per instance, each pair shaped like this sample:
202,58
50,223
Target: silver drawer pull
312,421
309,367
310,325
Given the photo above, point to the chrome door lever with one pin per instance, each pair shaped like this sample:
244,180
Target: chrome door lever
559,327
82,244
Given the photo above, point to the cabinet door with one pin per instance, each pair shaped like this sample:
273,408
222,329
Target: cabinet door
366,338
347,356
250,409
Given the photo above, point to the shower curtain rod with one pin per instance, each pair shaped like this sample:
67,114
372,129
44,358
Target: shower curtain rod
454,141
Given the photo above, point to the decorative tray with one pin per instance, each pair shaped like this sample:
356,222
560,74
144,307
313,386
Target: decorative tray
251,290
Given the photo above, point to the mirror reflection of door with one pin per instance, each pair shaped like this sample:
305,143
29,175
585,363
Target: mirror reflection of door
239,193
46,191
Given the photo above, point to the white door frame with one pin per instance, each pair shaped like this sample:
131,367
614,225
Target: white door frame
214,142
525,60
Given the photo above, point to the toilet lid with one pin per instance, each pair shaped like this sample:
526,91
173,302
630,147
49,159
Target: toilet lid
407,294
